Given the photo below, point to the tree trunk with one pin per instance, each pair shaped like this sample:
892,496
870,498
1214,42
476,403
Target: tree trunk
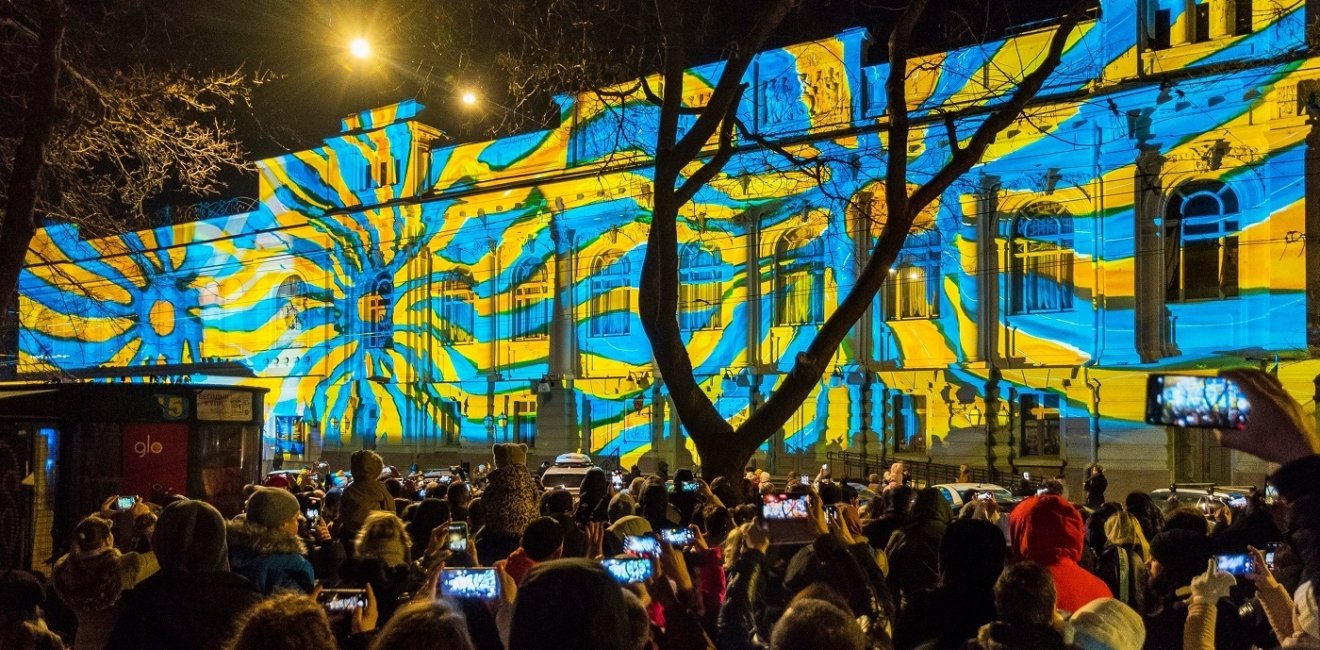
20,219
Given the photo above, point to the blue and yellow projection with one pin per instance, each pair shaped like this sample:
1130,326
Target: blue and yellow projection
397,290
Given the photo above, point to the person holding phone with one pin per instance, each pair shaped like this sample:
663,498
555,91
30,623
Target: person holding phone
264,546
541,542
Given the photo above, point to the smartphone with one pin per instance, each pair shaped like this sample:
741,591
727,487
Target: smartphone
804,479
312,515
342,601
678,537
786,518
124,503
1195,402
831,513
642,546
629,570
692,487
618,481
458,537
985,496
480,583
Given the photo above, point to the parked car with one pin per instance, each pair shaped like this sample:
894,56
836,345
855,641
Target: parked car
1203,497
864,494
955,494
567,472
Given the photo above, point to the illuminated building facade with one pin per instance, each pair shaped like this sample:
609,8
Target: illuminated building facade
1149,213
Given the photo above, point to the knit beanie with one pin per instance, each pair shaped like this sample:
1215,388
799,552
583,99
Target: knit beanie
190,536
1107,624
621,505
382,537
1182,553
271,507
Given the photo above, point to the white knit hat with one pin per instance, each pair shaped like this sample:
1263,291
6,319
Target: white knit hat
1107,624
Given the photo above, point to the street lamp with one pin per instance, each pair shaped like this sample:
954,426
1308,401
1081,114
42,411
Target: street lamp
360,48
469,98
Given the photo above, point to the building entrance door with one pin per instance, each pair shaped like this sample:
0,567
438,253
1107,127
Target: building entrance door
1199,458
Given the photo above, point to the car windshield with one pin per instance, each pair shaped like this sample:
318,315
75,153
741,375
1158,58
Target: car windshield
554,480
1000,494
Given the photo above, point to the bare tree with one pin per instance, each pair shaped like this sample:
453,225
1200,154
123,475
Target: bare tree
109,120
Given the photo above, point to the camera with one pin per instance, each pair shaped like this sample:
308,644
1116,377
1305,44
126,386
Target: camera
342,601
678,537
691,487
458,537
480,583
125,502
642,546
1196,402
629,570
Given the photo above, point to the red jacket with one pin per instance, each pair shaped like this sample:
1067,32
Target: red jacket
1048,530
517,565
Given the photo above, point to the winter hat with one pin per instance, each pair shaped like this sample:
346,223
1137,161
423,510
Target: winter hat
631,525
1047,529
542,538
1305,611
508,453
365,465
1107,624
382,537
1182,553
621,505
271,507
190,536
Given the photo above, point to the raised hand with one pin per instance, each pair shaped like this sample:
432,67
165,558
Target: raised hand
1277,430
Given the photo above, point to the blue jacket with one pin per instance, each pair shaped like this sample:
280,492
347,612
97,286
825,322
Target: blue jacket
273,559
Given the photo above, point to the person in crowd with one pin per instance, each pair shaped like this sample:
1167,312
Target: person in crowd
21,625
1254,526
366,494
898,475
542,541
264,546
1025,600
964,473
654,506
593,498
286,621
1186,518
622,505
1148,514
1107,624
192,601
424,625
92,577
429,514
896,512
1177,556
1096,539
1122,563
1026,486
914,549
557,504
971,558
1095,485
683,501
1047,530
459,496
569,603
382,559
508,502
811,623
988,509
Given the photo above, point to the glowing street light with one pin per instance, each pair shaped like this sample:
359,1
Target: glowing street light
360,48
469,98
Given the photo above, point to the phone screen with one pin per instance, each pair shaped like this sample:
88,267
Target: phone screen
641,545
342,601
1240,564
1195,402
481,583
691,488
458,537
629,570
313,514
786,518
125,503
679,537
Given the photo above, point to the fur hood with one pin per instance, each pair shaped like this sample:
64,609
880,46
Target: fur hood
94,581
263,540
1004,636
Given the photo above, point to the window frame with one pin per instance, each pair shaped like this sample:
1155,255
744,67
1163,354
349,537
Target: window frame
531,302
1027,248
611,294
798,255
700,282
1044,430
1222,228
456,292
922,253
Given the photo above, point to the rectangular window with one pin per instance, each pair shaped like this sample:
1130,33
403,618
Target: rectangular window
908,418
1242,12
1202,261
611,308
1201,25
699,303
531,312
1162,39
910,295
1040,420
801,298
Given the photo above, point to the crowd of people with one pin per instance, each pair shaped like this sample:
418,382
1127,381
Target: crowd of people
394,560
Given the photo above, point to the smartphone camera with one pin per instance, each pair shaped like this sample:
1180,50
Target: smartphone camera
1196,402
342,601
678,537
458,537
641,546
691,488
480,583
629,570
125,503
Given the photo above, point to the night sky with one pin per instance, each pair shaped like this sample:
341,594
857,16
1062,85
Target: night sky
315,82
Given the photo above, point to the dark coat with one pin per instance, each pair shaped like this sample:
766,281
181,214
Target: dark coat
1005,636
180,609
1164,629
914,550
1124,572
942,618
273,559
1095,486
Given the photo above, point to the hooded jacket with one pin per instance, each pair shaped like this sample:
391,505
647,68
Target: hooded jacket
193,601
509,500
91,584
1007,636
273,559
365,494
914,549
1048,530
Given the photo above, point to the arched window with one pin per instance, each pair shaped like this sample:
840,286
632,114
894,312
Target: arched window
799,278
611,294
378,325
1201,224
291,301
699,289
912,291
457,316
1041,260
531,302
